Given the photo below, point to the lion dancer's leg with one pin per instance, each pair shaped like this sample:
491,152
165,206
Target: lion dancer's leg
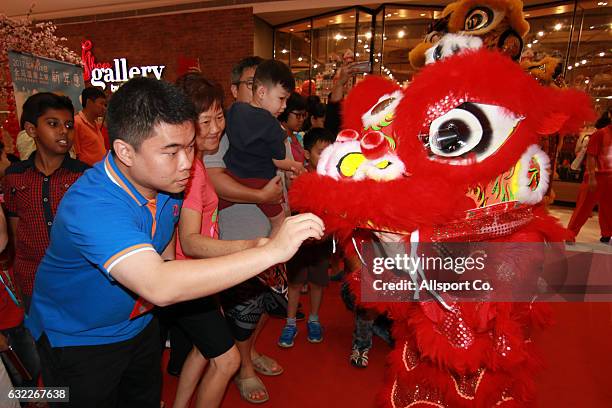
585,202
604,187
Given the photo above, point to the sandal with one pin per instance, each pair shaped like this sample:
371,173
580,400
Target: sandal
359,358
247,385
264,365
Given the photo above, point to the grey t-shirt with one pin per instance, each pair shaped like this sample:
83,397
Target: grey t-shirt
239,221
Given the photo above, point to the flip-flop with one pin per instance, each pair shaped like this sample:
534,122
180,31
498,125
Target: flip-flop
247,385
263,365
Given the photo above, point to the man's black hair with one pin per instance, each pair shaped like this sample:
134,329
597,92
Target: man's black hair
295,102
142,103
311,102
315,111
248,62
315,135
272,72
91,93
36,106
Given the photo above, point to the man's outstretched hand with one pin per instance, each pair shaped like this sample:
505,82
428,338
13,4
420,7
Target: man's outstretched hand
292,233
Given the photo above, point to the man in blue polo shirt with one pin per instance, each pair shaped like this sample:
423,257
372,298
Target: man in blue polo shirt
104,268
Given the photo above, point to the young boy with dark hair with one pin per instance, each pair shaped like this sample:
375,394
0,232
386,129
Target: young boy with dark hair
32,190
310,263
34,187
256,138
88,139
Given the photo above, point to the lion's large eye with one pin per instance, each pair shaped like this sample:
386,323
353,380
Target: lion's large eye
470,129
478,18
459,131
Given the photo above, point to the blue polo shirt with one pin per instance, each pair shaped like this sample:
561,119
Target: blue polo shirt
101,220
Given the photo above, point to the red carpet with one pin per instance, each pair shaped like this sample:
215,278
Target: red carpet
577,351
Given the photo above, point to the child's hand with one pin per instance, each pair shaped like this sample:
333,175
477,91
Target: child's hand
292,233
296,169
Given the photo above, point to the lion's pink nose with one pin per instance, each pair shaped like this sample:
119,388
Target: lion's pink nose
374,145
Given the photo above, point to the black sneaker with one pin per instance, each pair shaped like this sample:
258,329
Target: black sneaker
604,240
359,358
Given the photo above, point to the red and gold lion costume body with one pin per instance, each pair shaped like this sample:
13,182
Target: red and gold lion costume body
453,157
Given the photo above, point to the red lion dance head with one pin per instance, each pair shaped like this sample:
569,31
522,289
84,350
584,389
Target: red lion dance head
419,157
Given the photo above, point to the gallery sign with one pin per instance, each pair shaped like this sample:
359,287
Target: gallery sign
103,74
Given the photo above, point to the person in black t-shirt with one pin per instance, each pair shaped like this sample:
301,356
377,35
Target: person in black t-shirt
256,138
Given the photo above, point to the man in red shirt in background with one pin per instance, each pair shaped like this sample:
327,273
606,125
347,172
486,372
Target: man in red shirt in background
88,137
596,187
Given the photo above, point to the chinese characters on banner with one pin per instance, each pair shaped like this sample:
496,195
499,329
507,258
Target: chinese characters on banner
31,75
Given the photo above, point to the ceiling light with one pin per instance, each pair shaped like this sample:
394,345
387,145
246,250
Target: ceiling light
586,81
558,26
540,33
300,59
315,66
338,37
423,14
308,26
284,51
597,100
401,34
356,54
535,41
375,59
352,16
576,64
583,62
368,35
601,54
569,68
591,27
291,29
529,45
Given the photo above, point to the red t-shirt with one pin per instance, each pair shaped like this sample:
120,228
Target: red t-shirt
200,196
600,146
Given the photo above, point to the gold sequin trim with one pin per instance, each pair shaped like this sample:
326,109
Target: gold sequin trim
465,382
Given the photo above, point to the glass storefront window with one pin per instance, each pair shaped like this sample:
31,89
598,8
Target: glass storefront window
403,30
317,46
293,48
282,45
333,44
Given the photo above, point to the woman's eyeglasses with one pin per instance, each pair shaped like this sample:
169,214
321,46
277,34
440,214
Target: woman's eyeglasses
300,115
